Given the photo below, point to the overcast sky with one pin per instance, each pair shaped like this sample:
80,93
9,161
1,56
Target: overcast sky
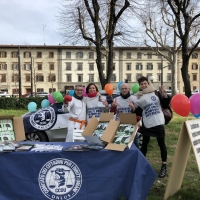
29,22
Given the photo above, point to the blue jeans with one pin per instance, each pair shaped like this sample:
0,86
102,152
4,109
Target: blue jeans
136,142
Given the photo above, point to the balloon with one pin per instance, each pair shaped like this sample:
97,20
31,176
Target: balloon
50,98
197,115
84,92
45,103
195,104
119,85
67,98
109,88
71,92
135,87
32,106
181,105
58,97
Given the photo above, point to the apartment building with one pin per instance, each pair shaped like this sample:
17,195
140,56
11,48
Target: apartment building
60,68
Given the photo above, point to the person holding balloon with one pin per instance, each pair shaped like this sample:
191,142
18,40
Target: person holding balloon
95,103
76,106
149,107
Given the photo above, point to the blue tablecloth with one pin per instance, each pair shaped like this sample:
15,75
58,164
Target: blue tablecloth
92,175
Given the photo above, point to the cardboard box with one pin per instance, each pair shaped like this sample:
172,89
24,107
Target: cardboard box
18,127
109,134
91,127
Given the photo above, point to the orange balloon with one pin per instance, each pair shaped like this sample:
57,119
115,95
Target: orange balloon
181,105
109,88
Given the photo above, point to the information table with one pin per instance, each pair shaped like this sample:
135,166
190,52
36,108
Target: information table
91,175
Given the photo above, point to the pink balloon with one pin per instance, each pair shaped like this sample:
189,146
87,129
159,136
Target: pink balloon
84,92
195,104
50,98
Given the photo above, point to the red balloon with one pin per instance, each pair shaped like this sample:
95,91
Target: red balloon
181,105
109,88
67,98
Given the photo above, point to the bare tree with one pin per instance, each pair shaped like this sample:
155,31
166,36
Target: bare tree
97,24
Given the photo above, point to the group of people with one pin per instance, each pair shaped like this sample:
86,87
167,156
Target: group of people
147,103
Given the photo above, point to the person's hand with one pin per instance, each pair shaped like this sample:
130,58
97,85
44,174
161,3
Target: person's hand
105,103
163,91
114,103
131,105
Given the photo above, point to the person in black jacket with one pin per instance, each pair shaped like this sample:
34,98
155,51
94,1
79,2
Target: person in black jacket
149,107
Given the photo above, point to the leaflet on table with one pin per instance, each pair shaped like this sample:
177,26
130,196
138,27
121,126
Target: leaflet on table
46,147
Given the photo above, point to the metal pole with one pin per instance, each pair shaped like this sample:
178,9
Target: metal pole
31,77
19,71
161,71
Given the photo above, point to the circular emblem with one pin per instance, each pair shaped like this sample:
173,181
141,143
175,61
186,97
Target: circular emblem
60,179
153,98
43,119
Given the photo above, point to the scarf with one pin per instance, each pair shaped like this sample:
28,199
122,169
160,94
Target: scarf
147,90
90,95
126,96
77,97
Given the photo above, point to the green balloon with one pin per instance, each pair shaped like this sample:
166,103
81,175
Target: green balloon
135,88
58,97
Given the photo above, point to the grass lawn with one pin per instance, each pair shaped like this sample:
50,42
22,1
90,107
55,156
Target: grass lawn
191,181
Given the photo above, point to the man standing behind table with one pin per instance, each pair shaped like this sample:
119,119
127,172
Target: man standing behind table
124,104
77,112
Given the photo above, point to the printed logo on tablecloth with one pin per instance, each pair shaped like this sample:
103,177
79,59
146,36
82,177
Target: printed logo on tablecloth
60,179
43,119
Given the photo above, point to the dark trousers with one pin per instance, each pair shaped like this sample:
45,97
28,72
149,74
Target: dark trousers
161,144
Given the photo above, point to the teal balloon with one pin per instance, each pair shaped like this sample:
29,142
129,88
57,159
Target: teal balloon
45,103
58,97
71,93
135,87
32,106
119,85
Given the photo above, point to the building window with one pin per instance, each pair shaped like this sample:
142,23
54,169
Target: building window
40,90
194,77
159,56
3,78
103,56
113,77
14,66
52,78
80,66
39,66
15,91
27,54
128,66
28,78
159,77
39,54
14,54
91,55
80,78
51,54
51,90
138,76
128,77
194,66
51,66
194,55
169,67
79,55
3,66
169,77
68,78
113,66
139,66
27,66
149,55
139,55
113,55
3,54
103,66
149,66
194,88
39,78
159,66
15,78
68,66
91,66
91,78
128,55
68,54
